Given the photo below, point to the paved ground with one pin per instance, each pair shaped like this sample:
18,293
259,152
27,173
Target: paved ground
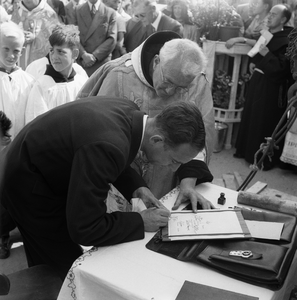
283,180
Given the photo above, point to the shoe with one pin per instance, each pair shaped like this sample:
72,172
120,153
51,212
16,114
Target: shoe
238,155
4,248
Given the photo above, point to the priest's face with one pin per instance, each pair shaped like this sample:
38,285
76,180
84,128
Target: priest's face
62,58
10,51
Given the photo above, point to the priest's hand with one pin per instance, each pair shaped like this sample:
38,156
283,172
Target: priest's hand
154,218
188,192
147,197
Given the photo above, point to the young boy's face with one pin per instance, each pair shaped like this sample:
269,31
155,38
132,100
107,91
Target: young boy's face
10,51
62,58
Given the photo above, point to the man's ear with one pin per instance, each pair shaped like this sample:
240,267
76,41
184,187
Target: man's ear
156,61
75,53
155,139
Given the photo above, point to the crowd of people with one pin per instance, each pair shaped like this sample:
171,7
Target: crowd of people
105,100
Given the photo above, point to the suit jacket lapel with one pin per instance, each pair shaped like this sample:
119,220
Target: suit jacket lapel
86,17
96,20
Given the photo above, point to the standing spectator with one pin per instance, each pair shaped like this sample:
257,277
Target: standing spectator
59,8
289,154
147,20
119,50
6,222
3,15
246,11
15,85
70,10
153,19
180,12
266,96
125,10
98,34
261,12
37,19
60,83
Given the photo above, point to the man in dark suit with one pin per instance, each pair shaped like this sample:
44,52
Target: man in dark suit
98,34
60,166
147,20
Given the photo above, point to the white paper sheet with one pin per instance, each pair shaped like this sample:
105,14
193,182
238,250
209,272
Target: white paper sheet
265,230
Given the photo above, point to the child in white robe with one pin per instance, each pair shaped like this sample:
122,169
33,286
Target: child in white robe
60,83
15,84
37,68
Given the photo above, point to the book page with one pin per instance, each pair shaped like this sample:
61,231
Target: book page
204,222
264,39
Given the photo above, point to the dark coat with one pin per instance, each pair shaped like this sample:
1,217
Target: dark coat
59,170
167,23
266,97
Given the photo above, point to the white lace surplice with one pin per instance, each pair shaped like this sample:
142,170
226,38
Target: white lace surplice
14,92
47,94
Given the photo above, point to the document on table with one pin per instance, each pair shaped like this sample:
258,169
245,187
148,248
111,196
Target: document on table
206,224
265,230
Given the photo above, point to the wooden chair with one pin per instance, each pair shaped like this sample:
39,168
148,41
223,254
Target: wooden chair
35,283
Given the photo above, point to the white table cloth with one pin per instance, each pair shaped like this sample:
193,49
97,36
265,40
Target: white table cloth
129,271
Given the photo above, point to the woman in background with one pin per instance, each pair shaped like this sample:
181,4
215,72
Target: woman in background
180,13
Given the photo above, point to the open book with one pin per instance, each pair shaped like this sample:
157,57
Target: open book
206,224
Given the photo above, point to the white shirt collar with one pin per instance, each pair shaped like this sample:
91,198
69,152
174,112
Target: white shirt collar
96,4
143,129
155,24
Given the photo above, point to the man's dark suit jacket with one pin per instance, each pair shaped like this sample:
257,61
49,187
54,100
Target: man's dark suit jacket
59,168
136,33
167,23
98,35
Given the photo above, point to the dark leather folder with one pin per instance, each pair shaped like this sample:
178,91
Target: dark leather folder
267,267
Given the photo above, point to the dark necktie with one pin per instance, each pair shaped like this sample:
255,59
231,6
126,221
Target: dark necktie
93,11
149,30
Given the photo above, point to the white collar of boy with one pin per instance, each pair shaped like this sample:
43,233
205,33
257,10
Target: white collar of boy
96,5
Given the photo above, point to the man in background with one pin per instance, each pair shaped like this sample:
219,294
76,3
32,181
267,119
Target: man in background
148,19
98,34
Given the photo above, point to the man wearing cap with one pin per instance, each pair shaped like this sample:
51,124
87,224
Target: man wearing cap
162,70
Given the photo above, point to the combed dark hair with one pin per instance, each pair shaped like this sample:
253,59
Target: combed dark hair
65,34
182,123
5,124
287,13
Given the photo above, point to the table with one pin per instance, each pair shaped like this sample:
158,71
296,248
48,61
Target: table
129,271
